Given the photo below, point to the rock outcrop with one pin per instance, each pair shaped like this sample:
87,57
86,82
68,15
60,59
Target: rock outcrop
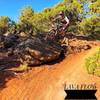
30,50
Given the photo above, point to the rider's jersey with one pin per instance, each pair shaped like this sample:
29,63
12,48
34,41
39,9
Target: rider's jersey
66,19
60,21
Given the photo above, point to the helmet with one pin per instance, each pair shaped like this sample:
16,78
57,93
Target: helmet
61,12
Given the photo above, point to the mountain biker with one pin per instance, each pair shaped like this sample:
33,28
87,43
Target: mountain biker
59,25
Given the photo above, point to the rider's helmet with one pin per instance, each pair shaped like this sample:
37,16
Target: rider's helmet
61,12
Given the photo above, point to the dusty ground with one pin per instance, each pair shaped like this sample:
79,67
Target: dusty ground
48,81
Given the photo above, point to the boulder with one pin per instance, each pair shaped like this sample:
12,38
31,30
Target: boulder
35,51
30,50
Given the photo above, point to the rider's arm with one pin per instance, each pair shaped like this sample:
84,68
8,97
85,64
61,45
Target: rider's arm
67,20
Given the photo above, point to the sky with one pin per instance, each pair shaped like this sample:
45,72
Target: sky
12,8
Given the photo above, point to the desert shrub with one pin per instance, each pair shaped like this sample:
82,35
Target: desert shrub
90,26
92,63
22,68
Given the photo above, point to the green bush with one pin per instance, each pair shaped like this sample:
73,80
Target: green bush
90,26
93,63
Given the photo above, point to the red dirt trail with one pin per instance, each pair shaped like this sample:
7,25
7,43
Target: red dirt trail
47,82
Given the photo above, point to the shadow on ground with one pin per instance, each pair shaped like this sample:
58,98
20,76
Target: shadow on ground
5,76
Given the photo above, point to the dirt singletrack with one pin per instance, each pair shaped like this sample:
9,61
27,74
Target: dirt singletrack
48,81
